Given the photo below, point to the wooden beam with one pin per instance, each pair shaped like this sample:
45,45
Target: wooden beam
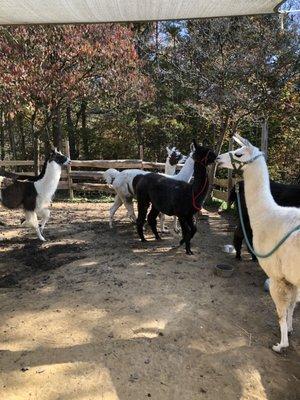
86,186
15,163
104,164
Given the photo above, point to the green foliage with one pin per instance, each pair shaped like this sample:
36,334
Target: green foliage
110,89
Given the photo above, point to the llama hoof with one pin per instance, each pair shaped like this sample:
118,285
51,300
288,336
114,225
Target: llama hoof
144,240
158,238
238,258
189,253
278,348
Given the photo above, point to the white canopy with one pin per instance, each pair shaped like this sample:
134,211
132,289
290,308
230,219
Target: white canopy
88,11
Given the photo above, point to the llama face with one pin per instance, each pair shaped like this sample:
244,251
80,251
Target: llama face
174,156
240,158
59,158
203,154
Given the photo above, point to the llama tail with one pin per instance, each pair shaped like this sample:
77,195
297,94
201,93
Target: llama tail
110,175
4,183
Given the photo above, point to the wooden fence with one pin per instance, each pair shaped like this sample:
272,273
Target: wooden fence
87,175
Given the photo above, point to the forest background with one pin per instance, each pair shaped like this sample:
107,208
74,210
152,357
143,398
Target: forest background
112,88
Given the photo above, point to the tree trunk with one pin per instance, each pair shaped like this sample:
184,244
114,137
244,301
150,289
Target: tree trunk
71,133
2,147
20,122
84,130
57,130
213,168
11,137
36,145
139,130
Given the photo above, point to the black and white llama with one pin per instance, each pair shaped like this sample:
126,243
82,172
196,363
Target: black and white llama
173,197
35,195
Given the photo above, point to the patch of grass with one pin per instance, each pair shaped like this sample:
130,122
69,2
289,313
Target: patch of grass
215,203
218,204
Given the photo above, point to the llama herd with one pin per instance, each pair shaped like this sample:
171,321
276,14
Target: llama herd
270,211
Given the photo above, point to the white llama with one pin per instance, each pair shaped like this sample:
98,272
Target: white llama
270,223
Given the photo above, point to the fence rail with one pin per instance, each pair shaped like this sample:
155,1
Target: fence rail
16,163
81,178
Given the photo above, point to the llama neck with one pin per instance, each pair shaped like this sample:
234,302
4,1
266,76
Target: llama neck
200,176
47,185
186,172
169,169
200,184
258,196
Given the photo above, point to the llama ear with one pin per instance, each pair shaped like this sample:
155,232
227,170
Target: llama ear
247,143
192,147
237,138
168,150
242,141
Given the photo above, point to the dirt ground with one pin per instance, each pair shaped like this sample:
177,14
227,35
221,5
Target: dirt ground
93,314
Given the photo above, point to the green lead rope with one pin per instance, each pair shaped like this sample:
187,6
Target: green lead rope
297,228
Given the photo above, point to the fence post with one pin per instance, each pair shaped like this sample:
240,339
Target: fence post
70,182
142,155
230,181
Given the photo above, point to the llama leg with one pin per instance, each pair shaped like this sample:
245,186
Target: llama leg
117,204
142,212
192,227
186,235
128,203
250,237
31,220
282,295
290,310
253,256
152,221
190,234
183,229
237,242
45,214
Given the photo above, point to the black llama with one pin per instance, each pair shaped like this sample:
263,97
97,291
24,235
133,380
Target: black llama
174,197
